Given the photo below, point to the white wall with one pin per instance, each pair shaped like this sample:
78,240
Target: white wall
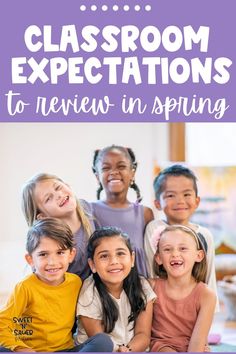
64,149
211,144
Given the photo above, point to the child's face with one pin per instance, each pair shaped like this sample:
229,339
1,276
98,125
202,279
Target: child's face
178,253
178,200
112,261
50,262
54,198
115,172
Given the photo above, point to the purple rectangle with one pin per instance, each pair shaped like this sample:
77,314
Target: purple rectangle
117,61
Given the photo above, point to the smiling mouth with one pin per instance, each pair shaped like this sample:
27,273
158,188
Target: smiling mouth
115,271
114,181
176,263
53,271
64,201
180,209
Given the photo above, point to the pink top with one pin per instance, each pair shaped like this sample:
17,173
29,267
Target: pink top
174,320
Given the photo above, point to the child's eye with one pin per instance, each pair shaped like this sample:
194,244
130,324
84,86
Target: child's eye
47,199
61,252
167,249
183,248
169,195
43,254
187,194
122,167
121,253
103,256
58,186
105,169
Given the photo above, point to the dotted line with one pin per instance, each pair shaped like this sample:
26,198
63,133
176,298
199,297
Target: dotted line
115,8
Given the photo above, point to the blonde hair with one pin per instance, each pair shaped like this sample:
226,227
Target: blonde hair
200,268
31,210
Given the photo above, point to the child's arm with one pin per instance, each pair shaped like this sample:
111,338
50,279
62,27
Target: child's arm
148,215
204,320
142,330
12,311
91,325
149,248
142,333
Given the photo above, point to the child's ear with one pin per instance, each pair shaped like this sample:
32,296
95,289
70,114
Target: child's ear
92,265
158,259
197,201
133,258
72,255
157,204
40,216
133,172
29,259
200,255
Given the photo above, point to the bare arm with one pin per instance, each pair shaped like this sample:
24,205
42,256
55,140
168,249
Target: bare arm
142,330
92,326
204,320
148,215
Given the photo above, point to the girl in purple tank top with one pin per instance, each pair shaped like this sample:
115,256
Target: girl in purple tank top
115,167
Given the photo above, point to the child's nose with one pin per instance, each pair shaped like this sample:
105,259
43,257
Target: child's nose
175,252
114,259
114,170
180,199
51,260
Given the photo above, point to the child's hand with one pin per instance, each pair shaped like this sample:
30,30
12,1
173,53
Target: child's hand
207,348
124,348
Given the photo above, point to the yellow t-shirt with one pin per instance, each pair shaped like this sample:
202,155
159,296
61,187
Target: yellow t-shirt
40,316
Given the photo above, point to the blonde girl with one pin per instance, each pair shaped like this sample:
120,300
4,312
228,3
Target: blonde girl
184,308
46,195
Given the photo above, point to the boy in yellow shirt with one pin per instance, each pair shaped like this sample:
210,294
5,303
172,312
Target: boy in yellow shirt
40,313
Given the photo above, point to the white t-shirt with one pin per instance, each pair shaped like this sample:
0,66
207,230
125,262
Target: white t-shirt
89,305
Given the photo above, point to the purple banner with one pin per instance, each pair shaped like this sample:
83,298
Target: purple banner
117,61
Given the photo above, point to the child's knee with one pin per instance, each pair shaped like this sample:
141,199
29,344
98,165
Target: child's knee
104,341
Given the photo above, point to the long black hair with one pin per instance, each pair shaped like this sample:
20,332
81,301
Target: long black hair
132,283
128,152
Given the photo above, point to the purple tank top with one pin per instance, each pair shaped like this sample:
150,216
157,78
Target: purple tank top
80,265
129,220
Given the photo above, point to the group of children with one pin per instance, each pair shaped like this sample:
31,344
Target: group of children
147,284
